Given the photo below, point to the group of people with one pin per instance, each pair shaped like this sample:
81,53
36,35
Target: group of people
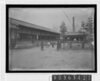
58,44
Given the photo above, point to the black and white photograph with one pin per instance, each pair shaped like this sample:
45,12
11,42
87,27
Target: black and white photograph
51,38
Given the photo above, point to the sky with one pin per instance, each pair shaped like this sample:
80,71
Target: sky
52,17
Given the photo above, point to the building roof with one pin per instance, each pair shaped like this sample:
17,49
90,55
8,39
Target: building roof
30,25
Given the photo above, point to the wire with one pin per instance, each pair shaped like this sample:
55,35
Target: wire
67,18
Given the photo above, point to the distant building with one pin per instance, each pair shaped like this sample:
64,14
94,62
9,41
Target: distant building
75,36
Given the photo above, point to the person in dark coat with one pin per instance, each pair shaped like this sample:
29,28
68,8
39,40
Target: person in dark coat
42,46
58,44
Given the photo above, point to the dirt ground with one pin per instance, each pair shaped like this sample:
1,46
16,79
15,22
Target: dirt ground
50,59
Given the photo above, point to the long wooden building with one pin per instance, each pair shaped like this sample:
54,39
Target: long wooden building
22,31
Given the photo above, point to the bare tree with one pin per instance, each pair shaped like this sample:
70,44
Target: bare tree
82,29
90,25
88,28
63,30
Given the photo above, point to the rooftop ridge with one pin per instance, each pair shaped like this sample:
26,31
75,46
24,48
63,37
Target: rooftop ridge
31,25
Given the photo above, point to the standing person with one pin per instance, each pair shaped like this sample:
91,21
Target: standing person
58,44
42,46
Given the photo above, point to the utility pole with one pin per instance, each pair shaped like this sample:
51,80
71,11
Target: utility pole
73,24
